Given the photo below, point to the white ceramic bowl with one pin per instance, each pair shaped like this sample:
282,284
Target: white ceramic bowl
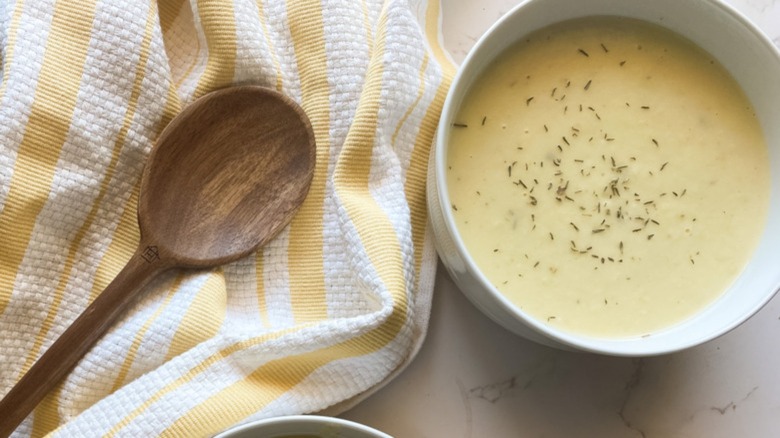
740,47
302,426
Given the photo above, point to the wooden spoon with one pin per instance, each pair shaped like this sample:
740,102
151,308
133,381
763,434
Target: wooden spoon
226,176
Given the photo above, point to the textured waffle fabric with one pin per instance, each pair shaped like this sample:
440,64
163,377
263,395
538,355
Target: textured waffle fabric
322,316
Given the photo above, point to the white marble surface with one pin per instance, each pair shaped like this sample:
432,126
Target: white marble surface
474,379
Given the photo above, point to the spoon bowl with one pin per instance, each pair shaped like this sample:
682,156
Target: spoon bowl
226,176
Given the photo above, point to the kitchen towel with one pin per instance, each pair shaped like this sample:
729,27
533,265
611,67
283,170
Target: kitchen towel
321,317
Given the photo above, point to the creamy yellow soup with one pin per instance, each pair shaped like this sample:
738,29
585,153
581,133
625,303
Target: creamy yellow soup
608,176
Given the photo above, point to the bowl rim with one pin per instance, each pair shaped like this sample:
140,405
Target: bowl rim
259,425
632,346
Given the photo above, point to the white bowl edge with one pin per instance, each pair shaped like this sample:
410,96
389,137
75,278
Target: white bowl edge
725,35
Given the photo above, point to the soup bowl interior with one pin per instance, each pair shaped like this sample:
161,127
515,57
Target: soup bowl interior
752,60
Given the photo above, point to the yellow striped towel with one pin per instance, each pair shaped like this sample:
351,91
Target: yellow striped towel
324,315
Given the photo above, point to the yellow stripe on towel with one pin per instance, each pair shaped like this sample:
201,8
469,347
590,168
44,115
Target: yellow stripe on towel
269,43
305,259
47,129
418,168
132,353
203,318
217,19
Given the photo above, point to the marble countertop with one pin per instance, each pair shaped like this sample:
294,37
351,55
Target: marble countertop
472,378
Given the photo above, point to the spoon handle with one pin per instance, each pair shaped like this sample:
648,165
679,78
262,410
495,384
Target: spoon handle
77,340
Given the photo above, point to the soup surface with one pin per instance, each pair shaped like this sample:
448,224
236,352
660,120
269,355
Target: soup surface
608,176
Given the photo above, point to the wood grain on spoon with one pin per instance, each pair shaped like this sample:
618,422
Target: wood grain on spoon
226,176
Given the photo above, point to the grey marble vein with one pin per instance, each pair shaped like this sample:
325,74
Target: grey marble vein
633,381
